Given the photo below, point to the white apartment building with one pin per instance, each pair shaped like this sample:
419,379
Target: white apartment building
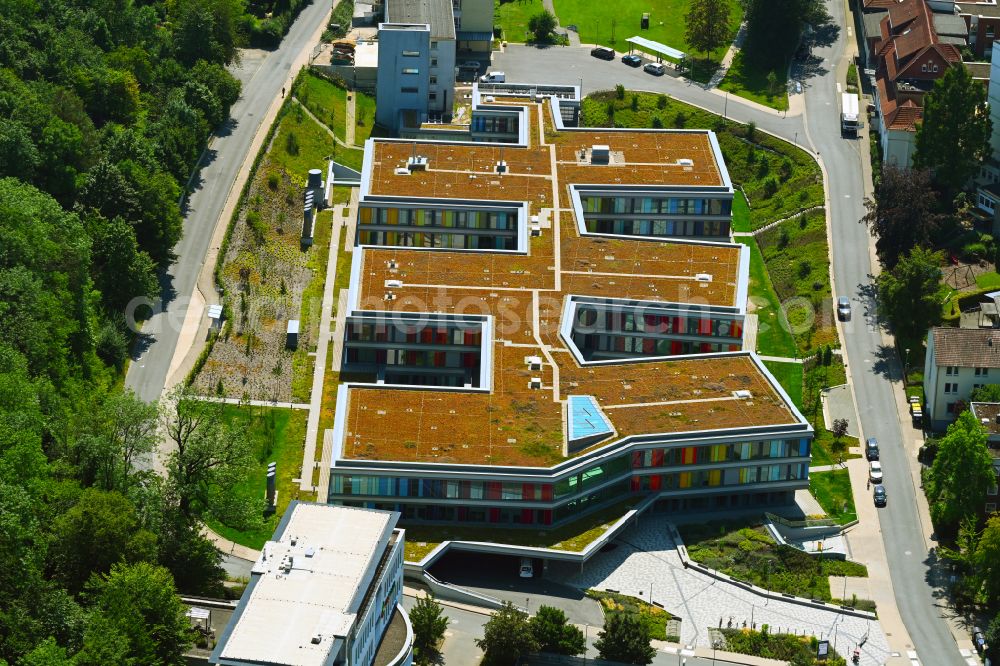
958,361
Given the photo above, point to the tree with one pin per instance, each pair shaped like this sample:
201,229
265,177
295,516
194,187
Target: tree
707,25
774,28
139,601
992,636
909,293
47,653
902,215
953,138
207,451
555,634
839,428
429,626
986,393
987,560
542,25
625,638
506,637
962,473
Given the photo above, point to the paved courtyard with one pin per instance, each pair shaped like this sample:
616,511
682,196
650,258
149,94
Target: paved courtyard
646,563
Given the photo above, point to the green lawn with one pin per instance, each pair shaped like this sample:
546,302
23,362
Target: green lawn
741,213
512,17
652,616
574,536
789,375
833,492
312,303
746,551
326,101
349,157
797,257
773,335
278,436
597,21
751,83
989,280
300,144
364,117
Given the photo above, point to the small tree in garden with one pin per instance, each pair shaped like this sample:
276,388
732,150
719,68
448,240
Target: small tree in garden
428,628
506,637
626,639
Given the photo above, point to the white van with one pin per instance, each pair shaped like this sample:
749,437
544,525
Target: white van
493,77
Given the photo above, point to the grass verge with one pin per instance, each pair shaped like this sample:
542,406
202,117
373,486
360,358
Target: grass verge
421,539
789,375
747,552
752,83
788,648
312,305
654,617
773,335
817,377
833,492
512,17
278,436
741,213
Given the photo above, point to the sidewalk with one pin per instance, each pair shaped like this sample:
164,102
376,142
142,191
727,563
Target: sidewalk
224,545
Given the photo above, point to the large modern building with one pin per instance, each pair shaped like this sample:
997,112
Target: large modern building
325,592
545,320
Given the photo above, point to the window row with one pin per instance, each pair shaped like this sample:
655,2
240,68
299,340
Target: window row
696,455
619,320
366,332
659,205
622,344
701,228
412,357
444,240
384,486
494,124
430,217
711,478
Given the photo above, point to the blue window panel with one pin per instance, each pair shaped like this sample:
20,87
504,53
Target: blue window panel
803,447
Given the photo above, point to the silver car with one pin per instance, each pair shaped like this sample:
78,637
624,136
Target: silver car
844,308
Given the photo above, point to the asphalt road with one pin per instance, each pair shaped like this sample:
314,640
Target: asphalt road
151,358
872,364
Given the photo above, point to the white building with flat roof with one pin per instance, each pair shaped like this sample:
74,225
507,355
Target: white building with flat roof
324,592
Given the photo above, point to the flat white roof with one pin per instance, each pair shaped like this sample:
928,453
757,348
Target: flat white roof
334,552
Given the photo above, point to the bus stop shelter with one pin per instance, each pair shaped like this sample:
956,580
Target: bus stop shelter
661,50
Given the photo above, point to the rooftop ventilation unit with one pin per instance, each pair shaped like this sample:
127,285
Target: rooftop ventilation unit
501,166
417,163
316,640
489,98
394,283
536,230
742,394
535,383
685,161
600,154
703,277
402,171
534,362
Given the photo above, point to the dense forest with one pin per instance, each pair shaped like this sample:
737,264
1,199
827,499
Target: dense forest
105,107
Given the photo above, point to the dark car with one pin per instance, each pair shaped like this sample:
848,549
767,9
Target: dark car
632,60
871,448
602,52
879,495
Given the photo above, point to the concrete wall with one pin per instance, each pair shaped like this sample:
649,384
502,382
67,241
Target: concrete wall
442,71
898,147
396,91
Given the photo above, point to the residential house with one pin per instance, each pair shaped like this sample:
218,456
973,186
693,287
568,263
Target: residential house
910,57
958,361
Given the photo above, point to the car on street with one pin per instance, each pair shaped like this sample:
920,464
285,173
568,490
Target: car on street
844,308
602,52
871,448
527,569
875,471
879,495
916,410
657,68
632,60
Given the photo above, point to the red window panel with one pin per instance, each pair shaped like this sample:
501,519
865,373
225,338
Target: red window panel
411,357
649,346
734,347
380,356
468,360
381,333
706,347
705,327
655,482
464,490
442,336
527,516
439,359
636,459
494,515
528,491
676,348
463,513
657,458
634,484
411,335
547,517
679,324
470,337
619,344
492,490
427,336
736,330
652,321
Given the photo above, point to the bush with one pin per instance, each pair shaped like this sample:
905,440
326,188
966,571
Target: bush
661,102
292,144
656,122
770,187
620,91
974,251
257,227
272,181
680,119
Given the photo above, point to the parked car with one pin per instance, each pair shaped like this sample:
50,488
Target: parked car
875,471
527,569
470,64
879,495
632,60
603,52
657,68
844,308
871,448
916,410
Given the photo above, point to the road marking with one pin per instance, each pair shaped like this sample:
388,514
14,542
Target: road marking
906,552
838,87
847,196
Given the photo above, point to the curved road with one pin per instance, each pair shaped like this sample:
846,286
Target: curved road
873,366
151,359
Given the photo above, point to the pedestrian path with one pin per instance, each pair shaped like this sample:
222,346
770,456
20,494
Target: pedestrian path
780,359
228,547
727,60
646,564
252,403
